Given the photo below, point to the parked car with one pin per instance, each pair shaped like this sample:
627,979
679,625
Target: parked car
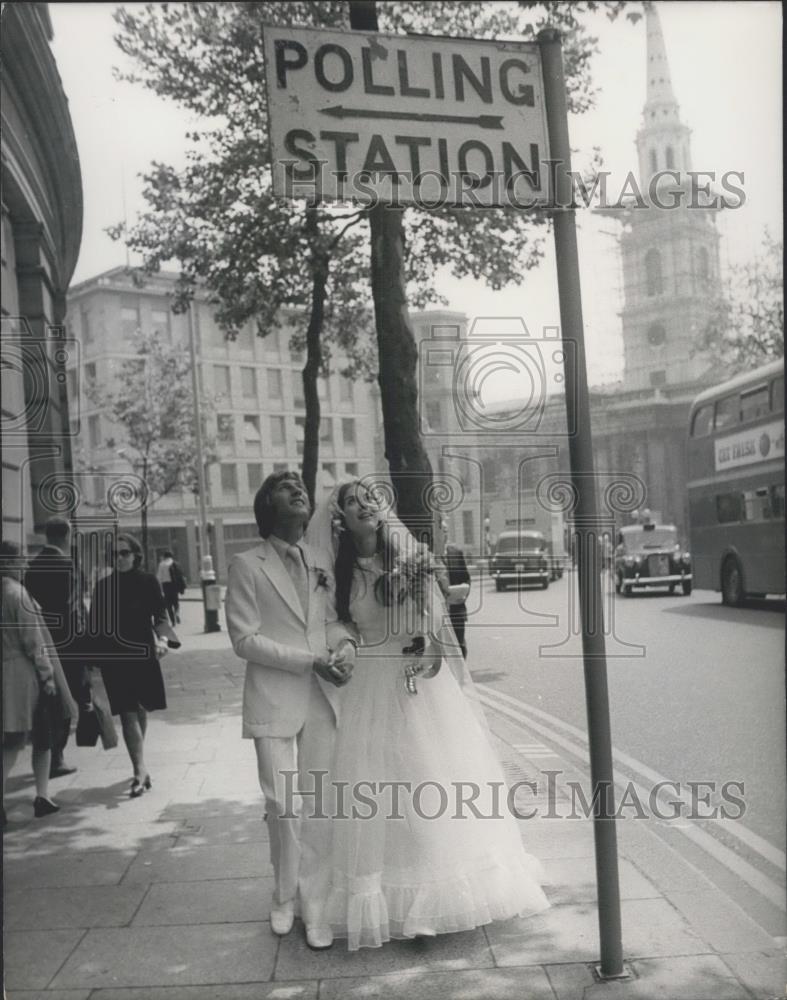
650,555
520,557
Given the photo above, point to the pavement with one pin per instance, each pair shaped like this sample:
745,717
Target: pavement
167,896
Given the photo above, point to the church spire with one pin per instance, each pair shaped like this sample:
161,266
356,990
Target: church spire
663,139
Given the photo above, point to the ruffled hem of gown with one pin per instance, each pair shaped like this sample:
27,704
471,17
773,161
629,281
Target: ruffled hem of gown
370,911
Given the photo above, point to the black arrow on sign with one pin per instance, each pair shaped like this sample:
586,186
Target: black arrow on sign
483,121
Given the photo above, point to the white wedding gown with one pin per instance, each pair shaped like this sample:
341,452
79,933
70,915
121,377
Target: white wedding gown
399,873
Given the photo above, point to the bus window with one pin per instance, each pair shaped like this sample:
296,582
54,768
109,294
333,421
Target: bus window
702,425
777,395
756,505
777,501
729,508
754,403
727,411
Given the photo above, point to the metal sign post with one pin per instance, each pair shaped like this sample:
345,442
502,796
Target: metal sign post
586,516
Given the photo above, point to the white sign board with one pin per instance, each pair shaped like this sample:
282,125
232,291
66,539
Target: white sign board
749,447
363,117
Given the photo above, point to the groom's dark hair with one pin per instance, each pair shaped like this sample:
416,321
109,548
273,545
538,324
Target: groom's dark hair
263,513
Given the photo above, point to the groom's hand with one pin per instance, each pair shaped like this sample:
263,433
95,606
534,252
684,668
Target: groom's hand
342,659
329,671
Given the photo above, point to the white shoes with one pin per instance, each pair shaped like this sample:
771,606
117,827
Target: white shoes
319,938
282,918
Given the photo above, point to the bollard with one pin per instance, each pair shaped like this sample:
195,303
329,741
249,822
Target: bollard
211,596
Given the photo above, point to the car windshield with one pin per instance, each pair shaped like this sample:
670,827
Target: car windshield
520,543
659,538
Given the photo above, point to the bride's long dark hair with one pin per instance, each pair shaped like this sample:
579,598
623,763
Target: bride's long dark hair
347,555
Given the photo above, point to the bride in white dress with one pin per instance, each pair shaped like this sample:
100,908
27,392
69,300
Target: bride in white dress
423,841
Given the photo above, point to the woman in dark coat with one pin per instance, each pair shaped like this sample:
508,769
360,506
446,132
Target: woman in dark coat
125,612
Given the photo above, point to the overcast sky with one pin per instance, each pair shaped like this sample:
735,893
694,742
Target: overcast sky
725,61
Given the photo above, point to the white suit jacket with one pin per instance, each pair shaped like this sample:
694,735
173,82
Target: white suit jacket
268,629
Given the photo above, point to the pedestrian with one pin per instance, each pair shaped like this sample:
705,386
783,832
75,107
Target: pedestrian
173,585
454,580
36,698
278,599
51,578
126,609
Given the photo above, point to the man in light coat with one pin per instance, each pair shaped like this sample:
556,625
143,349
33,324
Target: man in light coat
277,606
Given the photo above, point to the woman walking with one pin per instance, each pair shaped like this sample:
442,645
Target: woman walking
126,610
36,699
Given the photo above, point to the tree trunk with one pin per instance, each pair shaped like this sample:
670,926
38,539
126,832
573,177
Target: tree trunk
408,462
311,370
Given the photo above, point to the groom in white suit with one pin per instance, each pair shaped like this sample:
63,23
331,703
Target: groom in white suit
278,602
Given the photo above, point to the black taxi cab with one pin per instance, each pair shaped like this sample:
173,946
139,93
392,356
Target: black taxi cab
520,557
649,556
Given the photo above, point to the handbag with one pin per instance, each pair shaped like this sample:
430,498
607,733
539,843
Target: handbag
88,728
96,719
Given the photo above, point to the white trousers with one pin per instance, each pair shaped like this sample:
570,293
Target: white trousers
289,771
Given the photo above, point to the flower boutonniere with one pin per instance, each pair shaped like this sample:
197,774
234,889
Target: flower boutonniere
322,579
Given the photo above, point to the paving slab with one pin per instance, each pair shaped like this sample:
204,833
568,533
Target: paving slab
171,956
47,994
722,923
76,906
296,960
233,991
764,974
214,830
651,928
230,901
700,977
470,984
573,880
47,872
557,838
31,958
188,864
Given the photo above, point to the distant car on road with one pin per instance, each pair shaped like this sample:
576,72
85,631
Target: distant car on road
520,557
650,555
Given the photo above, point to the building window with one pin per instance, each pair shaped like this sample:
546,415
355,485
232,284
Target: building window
656,334
229,478
777,501
277,432
296,354
224,427
94,431
129,315
655,283
658,378
670,158
345,391
274,383
703,263
280,467
87,331
248,383
348,432
300,431
271,342
326,432
161,322
297,390
729,508
254,474
468,527
328,475
654,165
244,338
221,380
433,415
90,373
251,430
351,468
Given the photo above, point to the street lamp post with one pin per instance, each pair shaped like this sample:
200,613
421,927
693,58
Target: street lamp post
207,574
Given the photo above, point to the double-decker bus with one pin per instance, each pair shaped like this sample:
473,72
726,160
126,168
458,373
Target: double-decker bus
736,485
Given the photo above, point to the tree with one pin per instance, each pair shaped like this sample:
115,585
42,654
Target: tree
747,326
150,399
256,254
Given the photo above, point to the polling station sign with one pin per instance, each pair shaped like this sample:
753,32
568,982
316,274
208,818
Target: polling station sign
367,117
